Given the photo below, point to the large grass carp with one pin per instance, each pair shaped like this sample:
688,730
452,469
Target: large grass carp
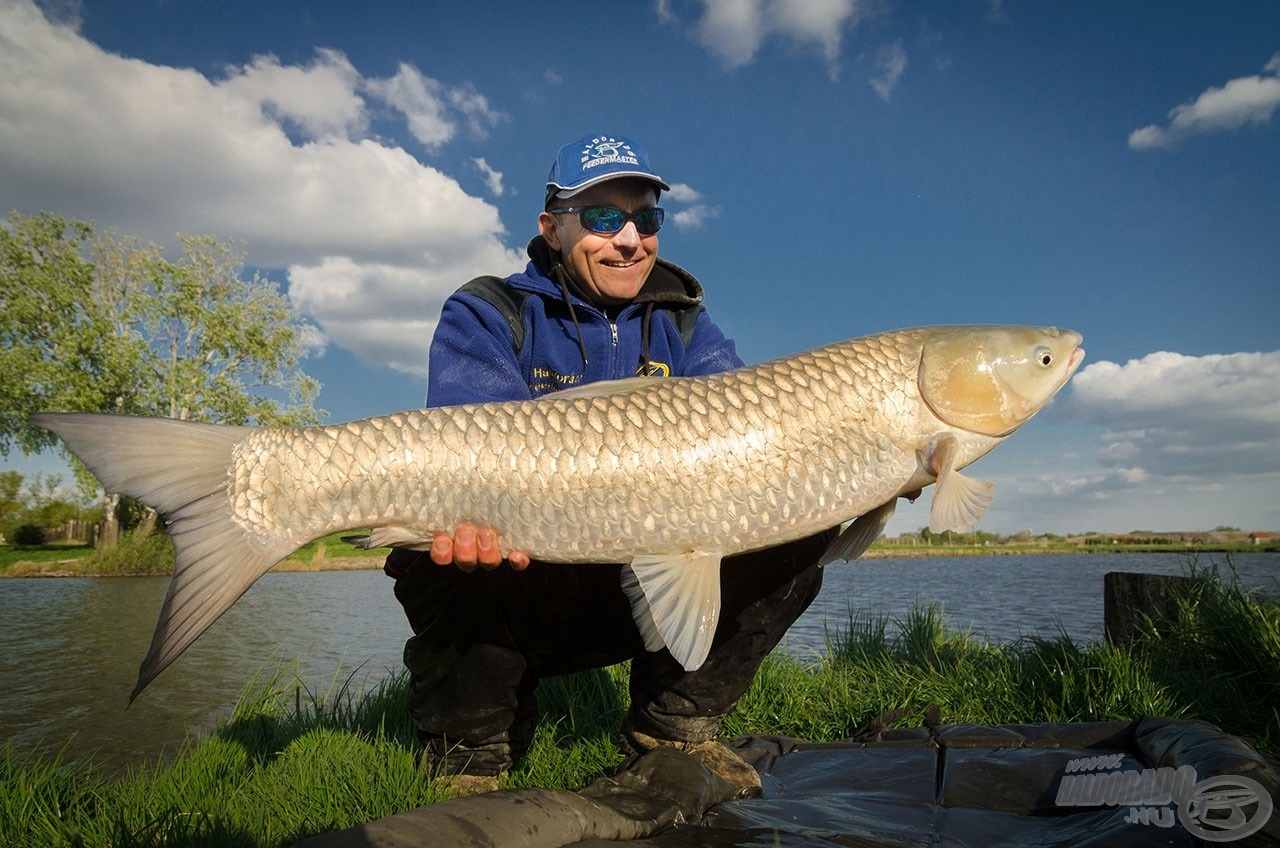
667,476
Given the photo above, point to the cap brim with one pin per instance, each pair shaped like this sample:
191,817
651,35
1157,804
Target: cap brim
570,191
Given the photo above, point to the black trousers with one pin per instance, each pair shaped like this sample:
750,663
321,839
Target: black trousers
483,639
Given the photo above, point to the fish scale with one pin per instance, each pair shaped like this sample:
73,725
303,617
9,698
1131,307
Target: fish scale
667,476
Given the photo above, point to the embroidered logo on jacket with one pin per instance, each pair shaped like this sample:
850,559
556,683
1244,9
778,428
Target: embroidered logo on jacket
545,380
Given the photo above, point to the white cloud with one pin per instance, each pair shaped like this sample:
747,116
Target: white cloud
1245,100
734,30
386,312
891,61
684,193
1186,420
492,178
429,106
275,156
320,99
695,216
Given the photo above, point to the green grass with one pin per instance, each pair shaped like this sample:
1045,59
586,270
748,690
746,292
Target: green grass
153,556
289,763
45,554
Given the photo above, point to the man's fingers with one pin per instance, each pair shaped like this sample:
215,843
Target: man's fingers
470,547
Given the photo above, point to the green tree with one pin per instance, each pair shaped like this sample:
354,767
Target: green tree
11,505
39,501
58,349
219,346
105,323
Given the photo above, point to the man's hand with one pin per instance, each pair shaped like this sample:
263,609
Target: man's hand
470,546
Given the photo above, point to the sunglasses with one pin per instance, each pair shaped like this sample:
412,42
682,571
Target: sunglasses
608,220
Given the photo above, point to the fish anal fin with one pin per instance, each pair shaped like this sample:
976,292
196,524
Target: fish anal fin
859,535
675,599
959,502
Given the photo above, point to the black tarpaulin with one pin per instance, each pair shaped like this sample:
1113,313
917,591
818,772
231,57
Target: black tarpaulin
1142,783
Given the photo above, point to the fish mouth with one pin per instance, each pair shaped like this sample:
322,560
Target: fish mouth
1077,356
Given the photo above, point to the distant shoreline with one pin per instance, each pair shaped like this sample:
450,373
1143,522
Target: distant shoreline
370,562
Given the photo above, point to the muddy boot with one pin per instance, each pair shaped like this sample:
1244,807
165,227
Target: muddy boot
458,770
719,758
463,785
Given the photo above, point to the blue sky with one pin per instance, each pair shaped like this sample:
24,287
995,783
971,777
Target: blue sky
839,168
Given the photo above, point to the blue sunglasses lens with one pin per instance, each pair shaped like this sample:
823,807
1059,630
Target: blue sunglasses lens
608,220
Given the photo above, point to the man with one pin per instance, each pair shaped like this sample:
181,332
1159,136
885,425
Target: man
594,303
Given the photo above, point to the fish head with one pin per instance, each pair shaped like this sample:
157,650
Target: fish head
991,380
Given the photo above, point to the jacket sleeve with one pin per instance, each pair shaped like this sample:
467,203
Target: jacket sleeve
472,359
709,350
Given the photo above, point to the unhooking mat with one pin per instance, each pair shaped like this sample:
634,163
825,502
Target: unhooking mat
1094,785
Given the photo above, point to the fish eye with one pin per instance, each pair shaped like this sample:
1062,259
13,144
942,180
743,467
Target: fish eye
1044,356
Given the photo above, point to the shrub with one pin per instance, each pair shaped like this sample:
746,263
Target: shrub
136,554
28,536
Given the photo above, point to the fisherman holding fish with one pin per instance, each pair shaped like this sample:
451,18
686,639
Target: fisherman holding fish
595,302
665,494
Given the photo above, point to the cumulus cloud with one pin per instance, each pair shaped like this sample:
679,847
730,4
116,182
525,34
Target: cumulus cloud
734,30
697,214
1241,101
318,99
278,157
1195,421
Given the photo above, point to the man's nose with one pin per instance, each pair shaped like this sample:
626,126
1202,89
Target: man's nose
628,236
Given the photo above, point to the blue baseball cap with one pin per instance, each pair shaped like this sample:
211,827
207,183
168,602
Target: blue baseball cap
597,158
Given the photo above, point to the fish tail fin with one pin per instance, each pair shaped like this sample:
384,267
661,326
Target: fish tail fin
180,469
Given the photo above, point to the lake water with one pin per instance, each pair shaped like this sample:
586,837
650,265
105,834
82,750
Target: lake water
70,648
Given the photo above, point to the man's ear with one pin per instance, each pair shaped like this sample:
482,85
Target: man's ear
549,227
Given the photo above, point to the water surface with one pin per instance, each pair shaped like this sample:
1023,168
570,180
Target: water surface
70,648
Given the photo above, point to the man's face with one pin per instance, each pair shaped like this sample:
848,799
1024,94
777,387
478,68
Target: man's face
609,268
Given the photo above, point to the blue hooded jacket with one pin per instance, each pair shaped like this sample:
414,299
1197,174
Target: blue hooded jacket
568,341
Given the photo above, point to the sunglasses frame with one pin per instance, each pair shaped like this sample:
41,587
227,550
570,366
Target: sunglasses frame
633,217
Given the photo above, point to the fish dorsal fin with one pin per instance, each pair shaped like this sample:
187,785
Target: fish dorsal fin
675,599
958,501
859,535
392,537
604,388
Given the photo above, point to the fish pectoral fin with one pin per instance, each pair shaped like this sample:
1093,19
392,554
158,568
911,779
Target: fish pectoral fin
393,537
958,501
675,599
859,535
